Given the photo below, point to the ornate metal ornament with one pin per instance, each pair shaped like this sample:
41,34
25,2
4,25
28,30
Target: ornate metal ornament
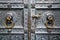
49,21
10,20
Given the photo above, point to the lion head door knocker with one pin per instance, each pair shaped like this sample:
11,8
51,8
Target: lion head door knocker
9,21
49,21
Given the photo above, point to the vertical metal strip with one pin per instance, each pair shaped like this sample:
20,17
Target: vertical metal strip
25,23
29,21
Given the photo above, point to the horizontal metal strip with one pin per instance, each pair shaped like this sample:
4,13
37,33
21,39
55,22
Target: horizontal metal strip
11,2
11,33
47,33
47,5
48,8
11,8
48,1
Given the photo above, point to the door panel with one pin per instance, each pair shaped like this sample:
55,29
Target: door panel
41,32
18,16
42,29
11,37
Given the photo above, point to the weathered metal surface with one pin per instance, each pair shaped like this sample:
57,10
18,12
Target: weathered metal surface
30,18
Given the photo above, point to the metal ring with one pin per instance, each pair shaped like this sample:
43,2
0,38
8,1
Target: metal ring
12,25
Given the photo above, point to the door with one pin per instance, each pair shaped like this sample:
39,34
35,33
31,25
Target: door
42,28
13,20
